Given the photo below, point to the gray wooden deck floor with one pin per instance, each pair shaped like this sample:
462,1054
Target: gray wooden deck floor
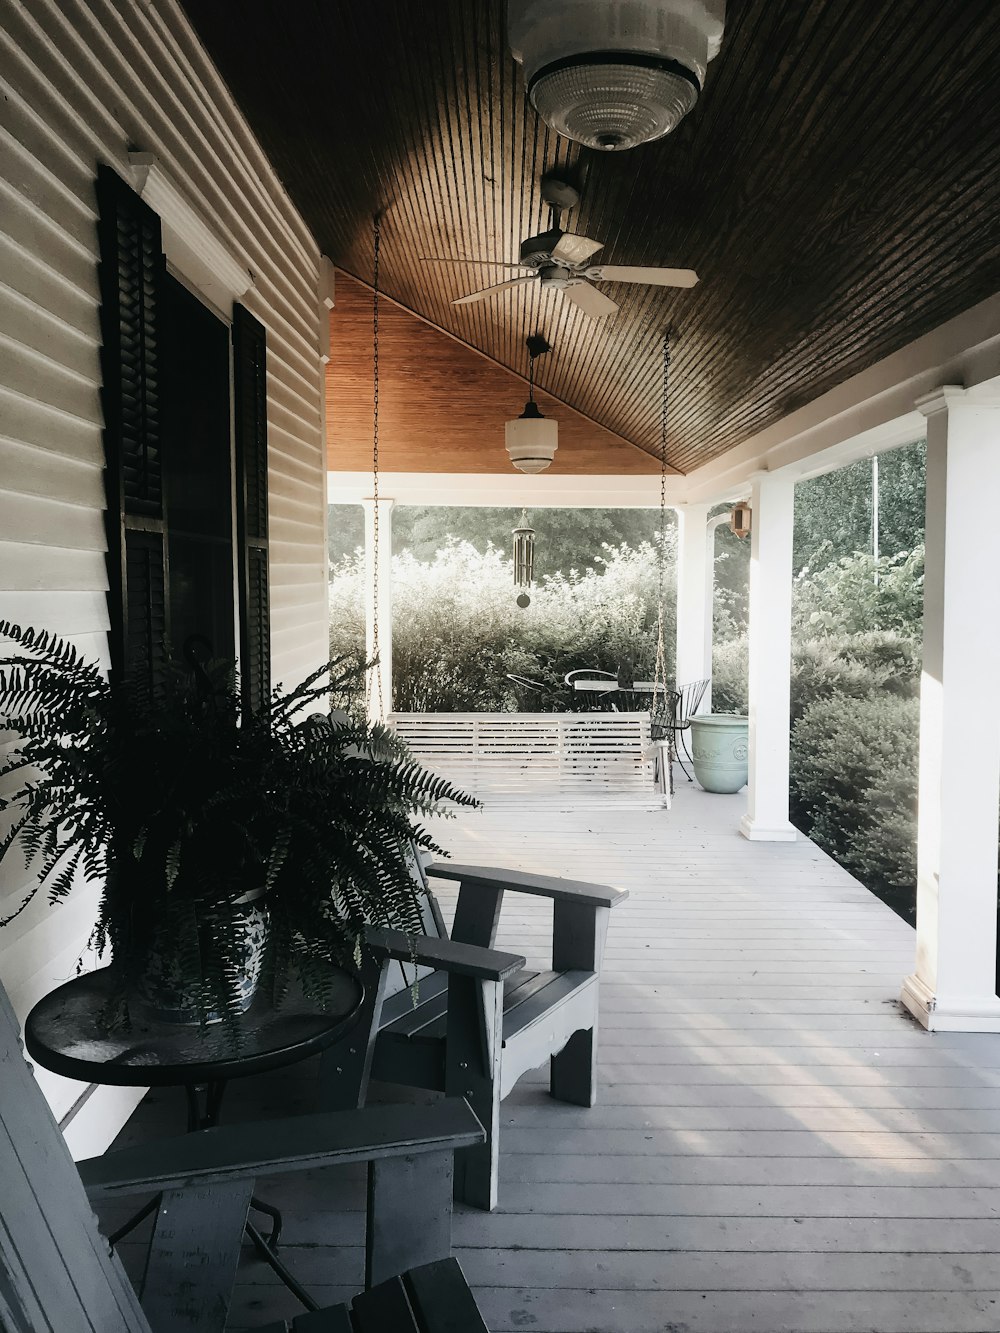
777,1147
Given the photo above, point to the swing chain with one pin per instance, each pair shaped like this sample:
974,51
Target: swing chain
375,679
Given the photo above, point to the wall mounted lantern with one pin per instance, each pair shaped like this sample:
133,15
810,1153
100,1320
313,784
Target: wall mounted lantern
740,519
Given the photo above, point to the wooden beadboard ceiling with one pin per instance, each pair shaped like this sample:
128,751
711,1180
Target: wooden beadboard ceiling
442,406
836,187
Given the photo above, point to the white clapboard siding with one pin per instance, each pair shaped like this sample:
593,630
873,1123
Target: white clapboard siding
517,754
84,82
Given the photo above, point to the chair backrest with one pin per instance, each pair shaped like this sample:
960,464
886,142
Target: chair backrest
401,976
689,698
56,1272
588,673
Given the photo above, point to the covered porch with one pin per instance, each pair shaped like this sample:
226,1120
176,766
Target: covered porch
776,1145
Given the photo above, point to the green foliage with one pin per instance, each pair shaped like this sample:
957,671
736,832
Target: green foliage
729,675
854,778
853,667
177,805
566,539
457,631
834,511
856,594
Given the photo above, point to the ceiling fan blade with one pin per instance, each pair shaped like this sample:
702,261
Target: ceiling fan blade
590,300
656,277
481,263
489,291
572,249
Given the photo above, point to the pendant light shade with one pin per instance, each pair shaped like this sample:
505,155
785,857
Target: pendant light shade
532,439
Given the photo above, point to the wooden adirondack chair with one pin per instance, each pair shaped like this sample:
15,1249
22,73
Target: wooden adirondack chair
477,1020
58,1274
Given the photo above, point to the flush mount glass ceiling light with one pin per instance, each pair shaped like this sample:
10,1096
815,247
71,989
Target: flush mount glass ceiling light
613,74
532,439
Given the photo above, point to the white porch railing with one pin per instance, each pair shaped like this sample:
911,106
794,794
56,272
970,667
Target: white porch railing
520,754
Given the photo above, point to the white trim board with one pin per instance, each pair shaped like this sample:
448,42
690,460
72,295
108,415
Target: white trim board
190,245
492,489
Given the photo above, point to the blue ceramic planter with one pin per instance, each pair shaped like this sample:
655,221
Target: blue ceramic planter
720,751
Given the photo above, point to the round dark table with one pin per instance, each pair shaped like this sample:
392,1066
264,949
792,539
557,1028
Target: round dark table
63,1034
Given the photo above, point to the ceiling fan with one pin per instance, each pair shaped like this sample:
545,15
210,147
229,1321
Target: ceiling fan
559,261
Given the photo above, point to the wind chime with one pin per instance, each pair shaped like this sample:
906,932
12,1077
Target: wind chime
524,559
659,708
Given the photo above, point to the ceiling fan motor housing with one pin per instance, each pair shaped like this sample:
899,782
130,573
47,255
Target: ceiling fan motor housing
612,74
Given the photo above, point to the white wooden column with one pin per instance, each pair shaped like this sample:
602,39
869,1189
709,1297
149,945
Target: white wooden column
953,986
772,502
694,609
378,606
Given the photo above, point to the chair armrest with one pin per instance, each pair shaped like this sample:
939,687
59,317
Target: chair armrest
267,1147
468,960
545,886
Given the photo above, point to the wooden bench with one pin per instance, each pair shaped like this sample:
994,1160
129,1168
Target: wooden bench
477,1019
58,1275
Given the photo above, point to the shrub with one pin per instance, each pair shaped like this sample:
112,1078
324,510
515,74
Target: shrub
845,597
854,785
729,675
852,667
457,631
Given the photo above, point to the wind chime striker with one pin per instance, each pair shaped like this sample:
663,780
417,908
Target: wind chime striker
524,559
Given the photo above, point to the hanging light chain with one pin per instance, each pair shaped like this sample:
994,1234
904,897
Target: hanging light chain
376,679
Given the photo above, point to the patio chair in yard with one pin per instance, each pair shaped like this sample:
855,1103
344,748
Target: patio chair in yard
59,1275
476,1019
582,699
684,703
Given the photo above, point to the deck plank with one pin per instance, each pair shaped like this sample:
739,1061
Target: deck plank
777,1147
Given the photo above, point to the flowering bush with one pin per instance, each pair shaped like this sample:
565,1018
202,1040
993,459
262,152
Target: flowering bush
458,632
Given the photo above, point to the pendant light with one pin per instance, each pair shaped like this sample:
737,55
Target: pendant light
532,439
524,559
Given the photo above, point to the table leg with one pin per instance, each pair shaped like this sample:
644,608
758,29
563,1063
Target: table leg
267,1254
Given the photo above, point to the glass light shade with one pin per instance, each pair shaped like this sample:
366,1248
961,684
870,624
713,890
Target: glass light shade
612,107
531,440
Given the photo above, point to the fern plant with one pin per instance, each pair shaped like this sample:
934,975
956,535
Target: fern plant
176,805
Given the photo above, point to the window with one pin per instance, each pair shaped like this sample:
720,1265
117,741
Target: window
176,584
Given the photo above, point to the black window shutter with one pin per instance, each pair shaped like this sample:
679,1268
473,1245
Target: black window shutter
250,396
130,273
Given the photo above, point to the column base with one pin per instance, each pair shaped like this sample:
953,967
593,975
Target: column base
963,1014
754,831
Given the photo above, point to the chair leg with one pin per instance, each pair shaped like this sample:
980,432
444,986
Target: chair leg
473,1049
682,745
573,1072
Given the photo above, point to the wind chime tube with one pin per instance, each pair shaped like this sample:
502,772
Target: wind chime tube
524,553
